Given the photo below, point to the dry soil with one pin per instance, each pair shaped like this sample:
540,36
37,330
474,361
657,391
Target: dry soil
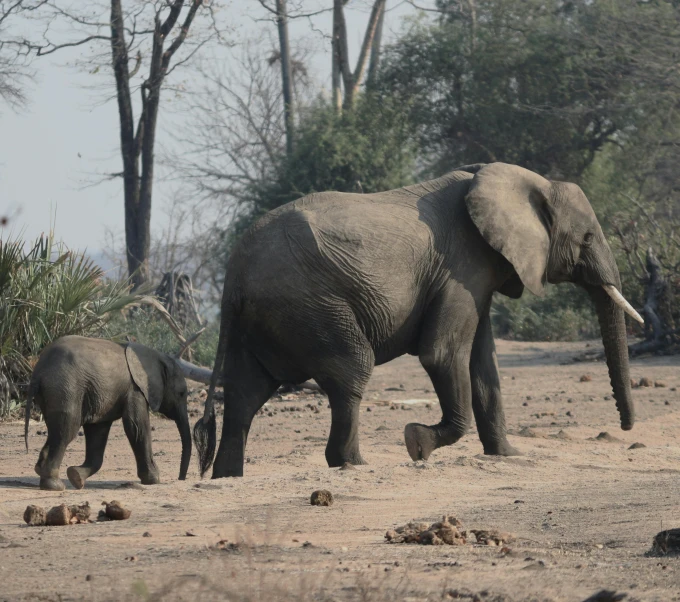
584,509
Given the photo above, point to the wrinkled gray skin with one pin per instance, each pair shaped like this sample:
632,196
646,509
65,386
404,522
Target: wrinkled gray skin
331,285
87,382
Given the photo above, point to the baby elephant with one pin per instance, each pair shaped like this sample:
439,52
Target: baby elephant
92,382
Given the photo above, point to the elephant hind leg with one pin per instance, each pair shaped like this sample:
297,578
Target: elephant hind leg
344,396
96,436
62,428
247,387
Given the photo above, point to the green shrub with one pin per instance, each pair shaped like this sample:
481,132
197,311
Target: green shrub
149,329
45,293
564,314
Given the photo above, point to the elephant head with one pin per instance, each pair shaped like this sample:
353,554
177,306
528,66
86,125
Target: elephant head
549,233
160,379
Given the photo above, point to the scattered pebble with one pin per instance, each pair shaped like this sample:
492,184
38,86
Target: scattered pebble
562,435
637,446
492,537
58,516
645,382
659,384
585,378
445,532
321,497
666,542
525,431
439,533
34,516
605,436
116,511
605,595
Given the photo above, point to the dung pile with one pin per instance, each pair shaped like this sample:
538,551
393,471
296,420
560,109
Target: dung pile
35,516
446,532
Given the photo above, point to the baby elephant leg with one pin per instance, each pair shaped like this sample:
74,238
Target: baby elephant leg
96,436
138,430
61,430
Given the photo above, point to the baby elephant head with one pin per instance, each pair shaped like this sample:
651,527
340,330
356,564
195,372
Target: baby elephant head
162,383
549,233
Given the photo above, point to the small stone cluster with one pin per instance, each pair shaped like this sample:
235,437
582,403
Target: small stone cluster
446,532
36,516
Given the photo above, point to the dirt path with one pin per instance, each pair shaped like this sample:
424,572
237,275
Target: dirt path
585,511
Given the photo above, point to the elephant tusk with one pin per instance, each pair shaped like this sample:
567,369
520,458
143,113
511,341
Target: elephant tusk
620,300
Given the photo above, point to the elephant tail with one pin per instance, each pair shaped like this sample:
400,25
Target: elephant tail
205,430
32,390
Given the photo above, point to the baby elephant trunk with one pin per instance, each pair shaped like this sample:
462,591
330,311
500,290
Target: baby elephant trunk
182,423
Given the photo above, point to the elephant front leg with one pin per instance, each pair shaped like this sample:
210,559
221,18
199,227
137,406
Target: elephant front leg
445,355
486,393
138,430
96,436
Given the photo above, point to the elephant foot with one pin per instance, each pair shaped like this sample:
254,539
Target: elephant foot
77,475
501,448
421,440
51,484
353,459
150,479
336,458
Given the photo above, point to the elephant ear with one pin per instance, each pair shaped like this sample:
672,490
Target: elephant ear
146,370
509,206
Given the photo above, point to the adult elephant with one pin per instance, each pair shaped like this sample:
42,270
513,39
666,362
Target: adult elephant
333,284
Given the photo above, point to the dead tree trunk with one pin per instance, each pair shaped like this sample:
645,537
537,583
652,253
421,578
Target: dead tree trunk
176,293
286,75
138,184
660,331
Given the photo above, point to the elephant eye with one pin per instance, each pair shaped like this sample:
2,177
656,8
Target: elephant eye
588,239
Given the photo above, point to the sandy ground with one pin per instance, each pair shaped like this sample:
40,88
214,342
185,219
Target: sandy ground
584,511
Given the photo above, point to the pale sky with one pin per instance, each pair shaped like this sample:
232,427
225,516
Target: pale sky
66,134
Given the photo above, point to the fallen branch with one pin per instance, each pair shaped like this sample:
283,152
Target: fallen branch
158,306
189,342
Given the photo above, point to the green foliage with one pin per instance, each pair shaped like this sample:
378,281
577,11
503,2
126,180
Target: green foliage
148,329
48,292
368,149
564,314
540,84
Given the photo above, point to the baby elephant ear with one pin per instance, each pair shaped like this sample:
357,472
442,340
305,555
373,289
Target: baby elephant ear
509,206
146,370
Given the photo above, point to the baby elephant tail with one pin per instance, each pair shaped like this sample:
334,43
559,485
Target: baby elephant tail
32,390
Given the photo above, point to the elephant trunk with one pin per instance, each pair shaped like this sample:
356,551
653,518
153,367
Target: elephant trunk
613,328
182,423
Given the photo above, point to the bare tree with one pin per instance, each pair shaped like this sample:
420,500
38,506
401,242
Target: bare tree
15,57
147,40
280,12
238,129
341,71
